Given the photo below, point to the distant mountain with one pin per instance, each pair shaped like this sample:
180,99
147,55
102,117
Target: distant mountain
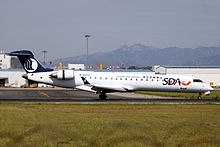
140,55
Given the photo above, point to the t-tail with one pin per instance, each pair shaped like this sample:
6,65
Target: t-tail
29,63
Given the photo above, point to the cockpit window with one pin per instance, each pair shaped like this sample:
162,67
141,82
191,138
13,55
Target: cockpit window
197,80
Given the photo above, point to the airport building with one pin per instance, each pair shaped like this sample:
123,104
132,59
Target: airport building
76,66
8,62
12,78
11,72
209,74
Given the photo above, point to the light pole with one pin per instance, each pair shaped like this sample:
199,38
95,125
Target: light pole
44,52
87,40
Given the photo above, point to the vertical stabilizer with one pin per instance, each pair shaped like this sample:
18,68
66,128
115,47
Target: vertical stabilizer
29,63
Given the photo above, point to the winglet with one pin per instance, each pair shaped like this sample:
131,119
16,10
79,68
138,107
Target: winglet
85,81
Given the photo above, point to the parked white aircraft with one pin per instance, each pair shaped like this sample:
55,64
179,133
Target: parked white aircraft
106,82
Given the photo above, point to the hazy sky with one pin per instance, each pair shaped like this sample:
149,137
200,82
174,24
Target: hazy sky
59,26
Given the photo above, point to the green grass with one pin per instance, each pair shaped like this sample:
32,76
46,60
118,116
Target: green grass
213,95
109,125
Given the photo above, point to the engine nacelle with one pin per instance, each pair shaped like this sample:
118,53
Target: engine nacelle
63,74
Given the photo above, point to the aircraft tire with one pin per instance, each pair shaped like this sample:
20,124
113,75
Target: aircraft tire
199,97
102,96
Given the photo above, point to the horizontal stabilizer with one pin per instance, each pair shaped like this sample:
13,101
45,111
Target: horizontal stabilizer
21,53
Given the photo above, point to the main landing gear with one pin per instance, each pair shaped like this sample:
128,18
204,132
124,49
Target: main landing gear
102,96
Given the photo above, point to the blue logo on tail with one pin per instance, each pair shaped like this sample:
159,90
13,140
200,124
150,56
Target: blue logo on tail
30,65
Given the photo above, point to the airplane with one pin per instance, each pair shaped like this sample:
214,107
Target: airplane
101,82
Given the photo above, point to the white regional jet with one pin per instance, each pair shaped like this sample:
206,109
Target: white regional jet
106,82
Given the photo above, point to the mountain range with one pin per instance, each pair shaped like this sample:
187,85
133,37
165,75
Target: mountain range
141,56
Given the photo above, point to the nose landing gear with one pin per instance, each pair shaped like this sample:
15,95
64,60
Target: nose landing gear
200,96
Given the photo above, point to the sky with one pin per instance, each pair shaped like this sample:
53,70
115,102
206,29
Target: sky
59,26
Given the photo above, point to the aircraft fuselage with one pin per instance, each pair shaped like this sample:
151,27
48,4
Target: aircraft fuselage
124,81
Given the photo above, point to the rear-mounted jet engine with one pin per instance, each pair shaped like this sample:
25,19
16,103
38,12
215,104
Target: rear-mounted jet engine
63,74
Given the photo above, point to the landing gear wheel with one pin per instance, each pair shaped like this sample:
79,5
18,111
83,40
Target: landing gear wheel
102,96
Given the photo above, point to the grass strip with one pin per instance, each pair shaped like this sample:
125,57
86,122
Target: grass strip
109,125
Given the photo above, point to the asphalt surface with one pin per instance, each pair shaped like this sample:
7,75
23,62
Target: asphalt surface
68,95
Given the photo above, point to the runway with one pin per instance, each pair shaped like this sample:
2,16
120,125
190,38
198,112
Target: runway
61,95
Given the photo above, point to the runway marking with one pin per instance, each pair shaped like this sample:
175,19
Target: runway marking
44,94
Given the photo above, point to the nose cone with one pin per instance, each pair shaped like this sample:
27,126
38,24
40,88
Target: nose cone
208,88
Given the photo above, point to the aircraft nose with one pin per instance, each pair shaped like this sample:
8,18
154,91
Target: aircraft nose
207,87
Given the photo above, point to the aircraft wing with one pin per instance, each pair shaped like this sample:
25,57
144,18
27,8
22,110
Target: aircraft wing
109,88
106,88
85,88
